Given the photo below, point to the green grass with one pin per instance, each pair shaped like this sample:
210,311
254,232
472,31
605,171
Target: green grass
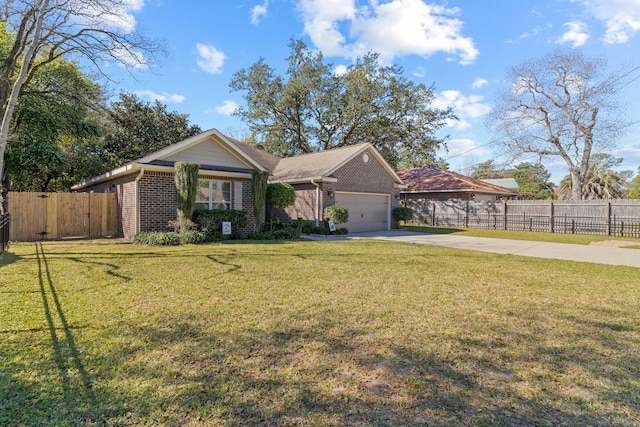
578,239
314,333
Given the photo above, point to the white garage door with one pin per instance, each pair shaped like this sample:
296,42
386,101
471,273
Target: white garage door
367,212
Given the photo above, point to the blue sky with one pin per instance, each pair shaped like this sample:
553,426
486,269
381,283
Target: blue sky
464,47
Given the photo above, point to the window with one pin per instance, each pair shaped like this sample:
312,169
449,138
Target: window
213,194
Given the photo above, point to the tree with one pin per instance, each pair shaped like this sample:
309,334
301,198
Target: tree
634,187
560,105
601,182
280,195
136,128
45,30
533,178
55,132
487,170
312,108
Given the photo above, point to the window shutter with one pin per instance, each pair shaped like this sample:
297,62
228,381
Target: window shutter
237,195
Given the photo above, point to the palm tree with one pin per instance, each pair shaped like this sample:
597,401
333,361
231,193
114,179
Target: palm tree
600,182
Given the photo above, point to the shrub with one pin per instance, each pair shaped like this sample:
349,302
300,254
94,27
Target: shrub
402,213
209,222
191,236
341,230
337,214
186,182
157,238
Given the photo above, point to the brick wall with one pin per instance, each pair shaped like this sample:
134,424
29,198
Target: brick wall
125,188
371,177
157,194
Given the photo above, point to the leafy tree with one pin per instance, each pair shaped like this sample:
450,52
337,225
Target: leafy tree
43,31
280,195
488,170
634,187
533,178
312,108
55,134
136,128
560,105
601,182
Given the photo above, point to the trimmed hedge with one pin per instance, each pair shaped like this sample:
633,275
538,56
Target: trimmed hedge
402,213
209,222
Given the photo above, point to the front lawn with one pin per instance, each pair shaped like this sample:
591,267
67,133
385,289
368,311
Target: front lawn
314,333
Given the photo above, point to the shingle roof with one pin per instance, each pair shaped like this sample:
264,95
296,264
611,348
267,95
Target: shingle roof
438,180
312,165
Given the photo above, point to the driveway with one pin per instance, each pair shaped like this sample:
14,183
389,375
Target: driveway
562,251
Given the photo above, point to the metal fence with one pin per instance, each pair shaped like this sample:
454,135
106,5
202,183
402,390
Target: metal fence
5,223
617,218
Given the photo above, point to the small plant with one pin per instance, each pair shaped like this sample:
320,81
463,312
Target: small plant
402,213
337,214
157,238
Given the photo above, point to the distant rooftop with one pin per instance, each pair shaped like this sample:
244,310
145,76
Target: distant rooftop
503,182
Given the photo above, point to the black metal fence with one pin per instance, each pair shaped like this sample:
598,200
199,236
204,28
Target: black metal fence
5,223
608,218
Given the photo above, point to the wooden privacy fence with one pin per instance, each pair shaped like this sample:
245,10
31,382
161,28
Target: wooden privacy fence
50,216
614,217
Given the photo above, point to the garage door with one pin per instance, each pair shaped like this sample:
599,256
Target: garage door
367,212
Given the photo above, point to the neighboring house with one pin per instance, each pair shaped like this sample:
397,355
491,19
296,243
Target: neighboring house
356,177
509,183
437,184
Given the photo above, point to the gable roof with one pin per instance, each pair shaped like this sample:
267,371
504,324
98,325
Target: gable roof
434,180
318,166
323,164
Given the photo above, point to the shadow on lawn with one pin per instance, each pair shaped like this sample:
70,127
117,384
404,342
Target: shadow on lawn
320,372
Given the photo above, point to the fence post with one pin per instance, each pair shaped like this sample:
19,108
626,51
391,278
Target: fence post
466,214
609,218
551,217
433,213
504,216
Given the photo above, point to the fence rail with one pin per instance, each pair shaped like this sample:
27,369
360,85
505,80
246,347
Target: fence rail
617,218
5,225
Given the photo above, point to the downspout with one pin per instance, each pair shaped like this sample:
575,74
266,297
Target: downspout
313,181
137,216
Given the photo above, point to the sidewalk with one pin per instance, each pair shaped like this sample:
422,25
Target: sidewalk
562,251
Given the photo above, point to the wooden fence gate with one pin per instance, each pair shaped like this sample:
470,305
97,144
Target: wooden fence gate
51,216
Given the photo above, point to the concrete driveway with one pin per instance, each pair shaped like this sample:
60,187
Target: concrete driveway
562,251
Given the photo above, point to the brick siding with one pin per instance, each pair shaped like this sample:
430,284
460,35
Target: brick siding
157,195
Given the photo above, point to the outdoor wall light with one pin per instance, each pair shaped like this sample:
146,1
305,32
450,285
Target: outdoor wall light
329,193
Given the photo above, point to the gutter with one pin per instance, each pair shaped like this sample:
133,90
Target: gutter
137,210
313,181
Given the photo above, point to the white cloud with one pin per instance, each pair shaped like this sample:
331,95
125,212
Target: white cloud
479,82
466,108
258,11
577,34
111,15
129,57
211,59
340,70
621,18
395,28
162,97
227,108
534,32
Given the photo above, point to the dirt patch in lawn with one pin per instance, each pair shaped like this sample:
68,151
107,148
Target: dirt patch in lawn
615,243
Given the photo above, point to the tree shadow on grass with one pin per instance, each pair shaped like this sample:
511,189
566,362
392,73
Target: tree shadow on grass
324,372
